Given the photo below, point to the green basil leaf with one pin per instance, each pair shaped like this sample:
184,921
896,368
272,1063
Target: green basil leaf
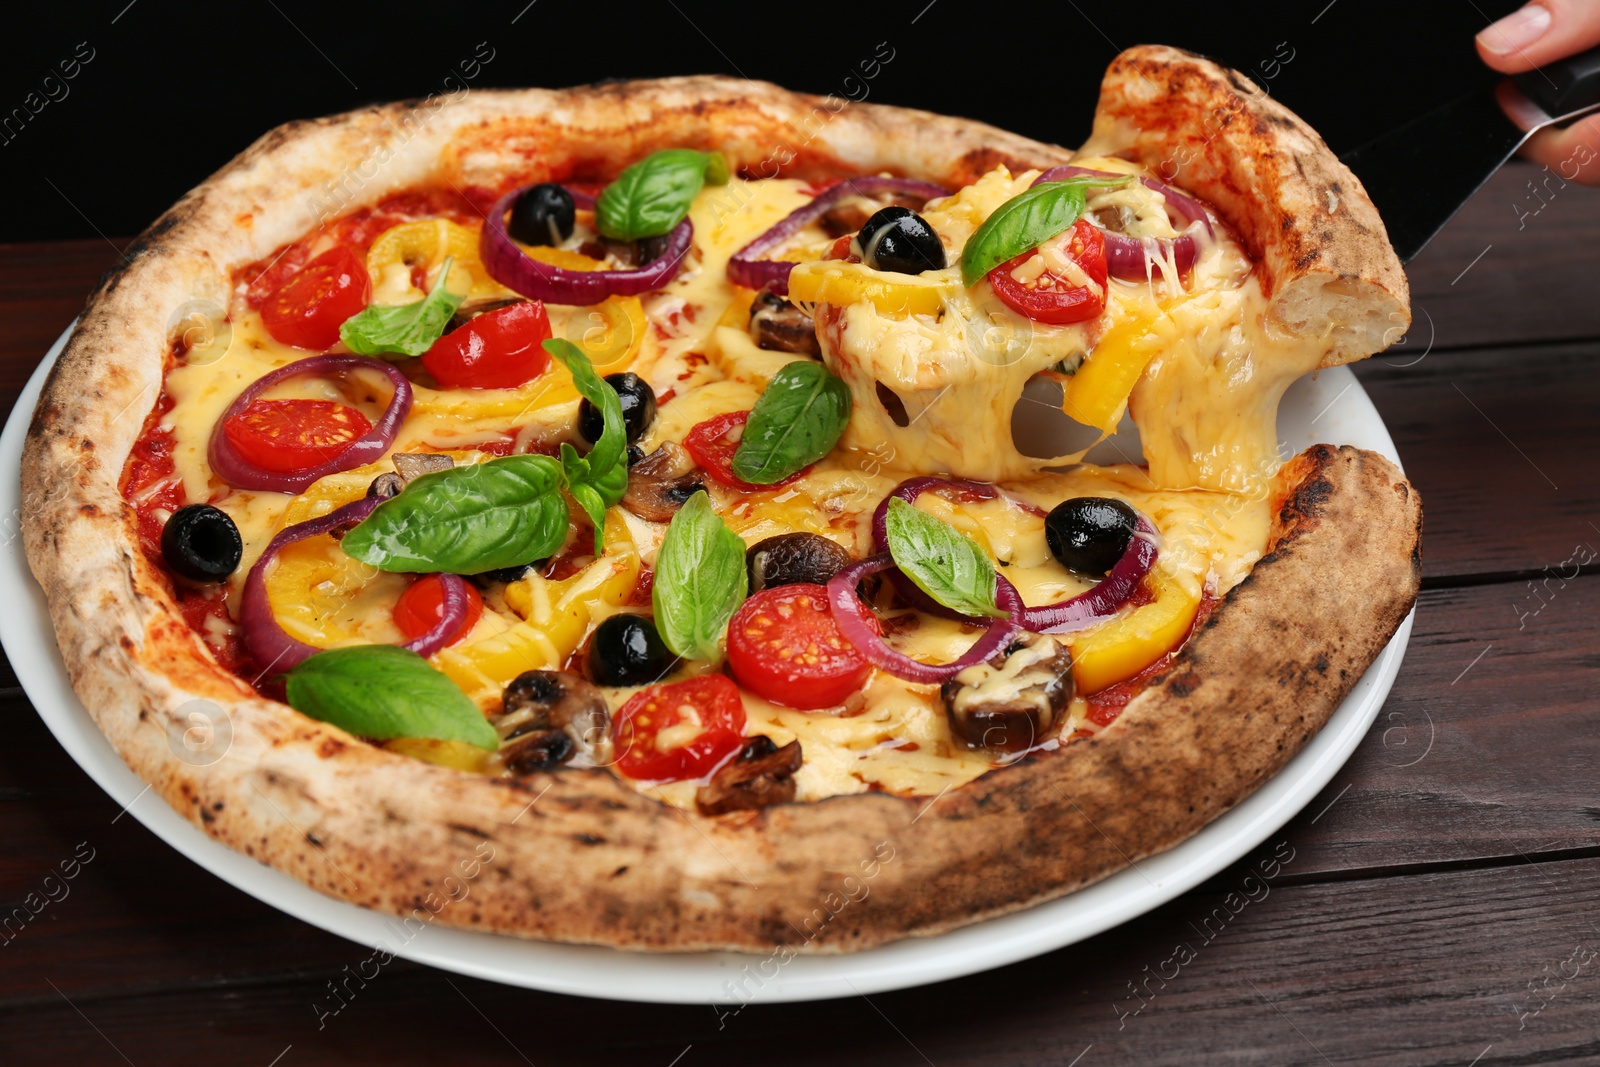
798,419
610,452
700,580
599,480
940,561
384,691
1026,221
464,520
651,197
404,329
589,500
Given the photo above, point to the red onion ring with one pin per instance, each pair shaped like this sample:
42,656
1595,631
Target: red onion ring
268,642
847,608
516,270
747,270
908,491
1103,601
1126,256
240,473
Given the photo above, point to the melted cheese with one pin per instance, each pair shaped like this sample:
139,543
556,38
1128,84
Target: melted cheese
1204,405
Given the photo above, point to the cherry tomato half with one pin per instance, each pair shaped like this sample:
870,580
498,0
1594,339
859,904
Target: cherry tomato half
421,606
286,436
784,646
499,350
308,309
682,730
712,444
1050,297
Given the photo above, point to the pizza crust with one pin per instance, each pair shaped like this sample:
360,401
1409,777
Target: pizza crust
578,856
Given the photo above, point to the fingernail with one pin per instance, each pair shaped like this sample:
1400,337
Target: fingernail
1517,30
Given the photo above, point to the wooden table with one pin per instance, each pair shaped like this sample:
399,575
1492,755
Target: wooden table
1439,906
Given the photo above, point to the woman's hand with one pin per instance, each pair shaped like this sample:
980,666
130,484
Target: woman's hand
1543,32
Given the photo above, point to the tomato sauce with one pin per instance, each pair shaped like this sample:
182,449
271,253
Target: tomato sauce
356,231
149,485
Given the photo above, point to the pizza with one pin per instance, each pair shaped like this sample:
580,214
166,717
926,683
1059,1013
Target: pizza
687,514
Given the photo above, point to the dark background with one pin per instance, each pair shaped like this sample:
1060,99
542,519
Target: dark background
173,90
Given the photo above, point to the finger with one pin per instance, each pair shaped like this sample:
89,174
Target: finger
1539,33
1573,153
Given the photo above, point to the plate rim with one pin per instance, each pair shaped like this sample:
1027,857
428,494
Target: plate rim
696,978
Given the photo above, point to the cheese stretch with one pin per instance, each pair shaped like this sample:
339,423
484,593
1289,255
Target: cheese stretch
1206,374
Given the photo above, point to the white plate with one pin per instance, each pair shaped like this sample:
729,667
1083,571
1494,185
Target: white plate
1332,407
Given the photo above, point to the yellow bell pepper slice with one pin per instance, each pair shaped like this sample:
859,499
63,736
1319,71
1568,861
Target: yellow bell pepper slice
611,333
832,281
560,257
1097,394
457,754
429,241
1132,641
557,616
323,597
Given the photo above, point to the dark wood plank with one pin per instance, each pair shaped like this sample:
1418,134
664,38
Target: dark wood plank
1515,266
42,289
1474,758
1501,444
1427,970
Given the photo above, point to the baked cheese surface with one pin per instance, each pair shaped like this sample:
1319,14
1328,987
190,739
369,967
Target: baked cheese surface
1202,366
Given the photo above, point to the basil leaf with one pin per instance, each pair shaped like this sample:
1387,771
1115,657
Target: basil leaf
384,691
651,197
464,520
798,419
404,329
700,580
940,561
1026,221
609,454
599,480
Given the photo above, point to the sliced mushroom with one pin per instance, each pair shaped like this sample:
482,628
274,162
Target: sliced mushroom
660,482
792,559
471,310
778,325
549,718
408,466
761,774
1011,703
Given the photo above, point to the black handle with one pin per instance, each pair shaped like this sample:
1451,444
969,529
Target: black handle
1564,87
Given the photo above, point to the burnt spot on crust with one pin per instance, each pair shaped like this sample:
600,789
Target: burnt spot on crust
330,747
588,839
470,831
313,839
1184,684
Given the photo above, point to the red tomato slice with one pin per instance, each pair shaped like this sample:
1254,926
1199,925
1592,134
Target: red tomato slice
286,436
712,444
421,606
1049,297
499,350
308,309
784,646
643,753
